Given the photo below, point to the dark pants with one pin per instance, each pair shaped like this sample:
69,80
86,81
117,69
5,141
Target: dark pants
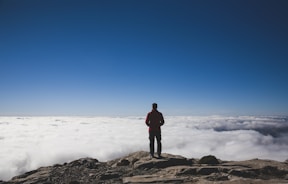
152,135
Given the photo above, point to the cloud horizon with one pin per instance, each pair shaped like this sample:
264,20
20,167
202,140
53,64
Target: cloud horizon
31,142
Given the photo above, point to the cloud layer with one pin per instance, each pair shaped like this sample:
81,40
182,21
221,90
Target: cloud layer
31,142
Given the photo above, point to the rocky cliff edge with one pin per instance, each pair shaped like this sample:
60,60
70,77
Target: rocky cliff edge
138,167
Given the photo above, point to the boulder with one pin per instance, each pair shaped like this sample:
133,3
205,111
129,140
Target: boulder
210,160
167,160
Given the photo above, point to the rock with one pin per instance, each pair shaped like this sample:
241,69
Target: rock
210,160
123,162
74,182
244,173
272,171
207,170
85,162
188,171
152,179
166,161
109,175
217,177
40,175
138,167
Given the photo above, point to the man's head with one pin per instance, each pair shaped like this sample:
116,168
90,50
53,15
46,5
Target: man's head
154,106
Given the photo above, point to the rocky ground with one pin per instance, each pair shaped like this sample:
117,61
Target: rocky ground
140,168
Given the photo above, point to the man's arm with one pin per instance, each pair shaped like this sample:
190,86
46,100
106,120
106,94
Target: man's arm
147,120
162,120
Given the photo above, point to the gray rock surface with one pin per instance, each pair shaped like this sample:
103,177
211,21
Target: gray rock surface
140,168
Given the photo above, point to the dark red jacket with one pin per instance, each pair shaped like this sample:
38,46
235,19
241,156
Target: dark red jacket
154,120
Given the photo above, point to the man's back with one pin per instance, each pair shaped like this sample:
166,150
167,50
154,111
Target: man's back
154,120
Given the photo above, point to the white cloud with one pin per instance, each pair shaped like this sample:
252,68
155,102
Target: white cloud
29,143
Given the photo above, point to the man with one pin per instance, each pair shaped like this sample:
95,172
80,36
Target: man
154,121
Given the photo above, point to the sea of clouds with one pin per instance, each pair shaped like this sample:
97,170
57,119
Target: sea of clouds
27,143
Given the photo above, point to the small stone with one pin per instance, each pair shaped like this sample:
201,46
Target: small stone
123,162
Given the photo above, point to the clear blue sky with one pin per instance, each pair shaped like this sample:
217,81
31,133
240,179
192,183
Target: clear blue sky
118,57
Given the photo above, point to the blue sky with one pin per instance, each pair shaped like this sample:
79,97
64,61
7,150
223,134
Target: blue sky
118,57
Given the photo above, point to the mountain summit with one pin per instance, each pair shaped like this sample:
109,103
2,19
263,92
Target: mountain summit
138,167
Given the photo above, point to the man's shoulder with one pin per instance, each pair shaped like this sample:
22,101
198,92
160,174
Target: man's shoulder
156,112
149,113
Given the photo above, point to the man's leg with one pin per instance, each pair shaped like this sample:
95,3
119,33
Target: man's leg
151,138
159,145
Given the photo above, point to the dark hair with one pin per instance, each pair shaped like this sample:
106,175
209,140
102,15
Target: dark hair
154,105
